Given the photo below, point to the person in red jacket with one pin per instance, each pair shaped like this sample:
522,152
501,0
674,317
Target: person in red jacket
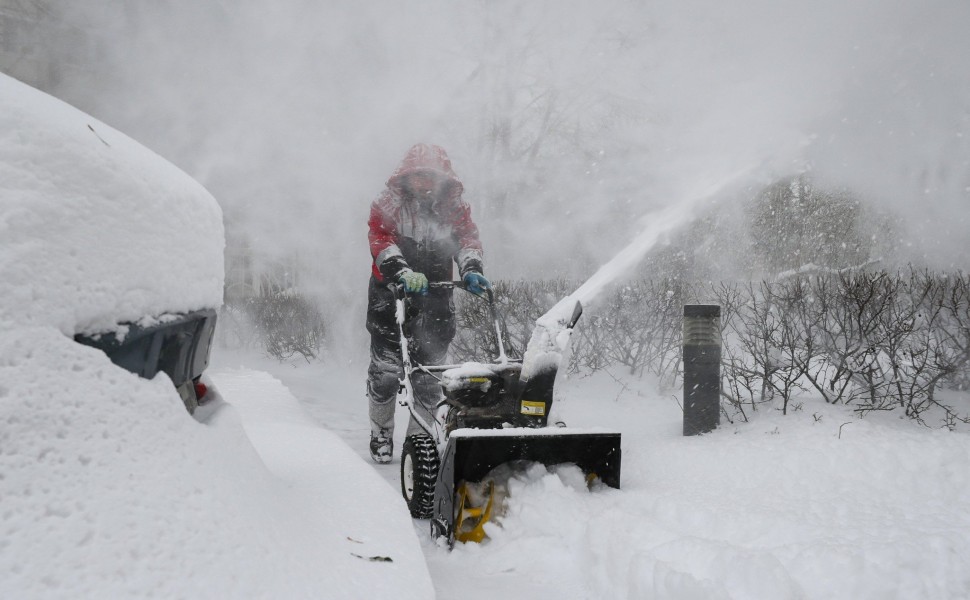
420,227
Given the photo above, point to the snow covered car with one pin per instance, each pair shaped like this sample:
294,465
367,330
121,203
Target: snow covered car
105,241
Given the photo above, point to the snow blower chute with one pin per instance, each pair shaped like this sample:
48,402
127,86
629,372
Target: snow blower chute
491,414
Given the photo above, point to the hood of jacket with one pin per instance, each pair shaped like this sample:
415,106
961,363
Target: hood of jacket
429,158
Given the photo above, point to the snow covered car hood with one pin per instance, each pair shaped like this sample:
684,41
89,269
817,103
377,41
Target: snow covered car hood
95,229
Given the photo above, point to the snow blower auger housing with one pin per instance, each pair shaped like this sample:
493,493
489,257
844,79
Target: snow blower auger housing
491,414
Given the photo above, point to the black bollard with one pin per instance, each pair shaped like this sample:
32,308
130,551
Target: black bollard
702,368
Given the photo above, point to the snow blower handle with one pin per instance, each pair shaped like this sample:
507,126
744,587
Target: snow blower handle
400,293
462,285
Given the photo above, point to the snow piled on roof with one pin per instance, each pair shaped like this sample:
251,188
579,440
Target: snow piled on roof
95,229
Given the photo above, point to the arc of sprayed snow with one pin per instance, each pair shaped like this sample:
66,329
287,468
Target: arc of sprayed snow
658,223
550,337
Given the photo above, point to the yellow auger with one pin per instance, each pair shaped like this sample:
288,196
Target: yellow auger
470,520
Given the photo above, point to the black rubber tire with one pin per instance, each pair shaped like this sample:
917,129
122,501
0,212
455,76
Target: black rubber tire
419,472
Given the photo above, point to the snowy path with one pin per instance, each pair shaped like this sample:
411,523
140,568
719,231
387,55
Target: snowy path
782,507
342,498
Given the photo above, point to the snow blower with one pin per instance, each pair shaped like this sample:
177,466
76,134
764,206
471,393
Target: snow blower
491,414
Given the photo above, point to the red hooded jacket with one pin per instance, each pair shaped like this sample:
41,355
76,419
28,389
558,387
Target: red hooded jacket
424,236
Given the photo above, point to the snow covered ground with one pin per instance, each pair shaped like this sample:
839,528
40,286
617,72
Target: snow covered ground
816,504
109,489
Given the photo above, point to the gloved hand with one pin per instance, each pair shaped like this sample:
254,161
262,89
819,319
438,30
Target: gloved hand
476,283
414,283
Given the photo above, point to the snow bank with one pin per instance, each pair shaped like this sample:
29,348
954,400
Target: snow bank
356,528
94,228
110,490
816,504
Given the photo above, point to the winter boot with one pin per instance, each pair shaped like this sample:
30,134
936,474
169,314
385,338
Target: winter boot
381,447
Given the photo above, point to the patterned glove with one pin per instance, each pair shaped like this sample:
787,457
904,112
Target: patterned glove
414,283
476,283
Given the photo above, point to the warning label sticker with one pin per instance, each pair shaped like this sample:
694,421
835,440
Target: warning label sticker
533,408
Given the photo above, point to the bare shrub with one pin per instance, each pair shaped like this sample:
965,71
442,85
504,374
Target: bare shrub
285,324
763,358
636,327
952,330
872,340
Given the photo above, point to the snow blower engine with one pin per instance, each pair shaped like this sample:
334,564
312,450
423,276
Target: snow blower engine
491,414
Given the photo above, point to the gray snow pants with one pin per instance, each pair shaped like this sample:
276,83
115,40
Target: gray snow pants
429,328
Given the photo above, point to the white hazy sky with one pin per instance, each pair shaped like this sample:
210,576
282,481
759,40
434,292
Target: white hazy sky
294,112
